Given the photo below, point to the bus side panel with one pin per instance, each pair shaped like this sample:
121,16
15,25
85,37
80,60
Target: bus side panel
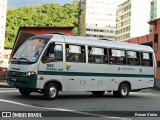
142,83
95,83
95,77
98,77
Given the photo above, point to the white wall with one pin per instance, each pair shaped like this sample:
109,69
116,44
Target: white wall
3,7
158,9
101,13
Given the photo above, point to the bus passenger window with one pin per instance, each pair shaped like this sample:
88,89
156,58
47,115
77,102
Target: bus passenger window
117,57
97,55
53,53
146,59
91,56
75,53
133,58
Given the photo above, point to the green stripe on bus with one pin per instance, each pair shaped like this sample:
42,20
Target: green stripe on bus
93,74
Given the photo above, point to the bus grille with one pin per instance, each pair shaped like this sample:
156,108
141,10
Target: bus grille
16,74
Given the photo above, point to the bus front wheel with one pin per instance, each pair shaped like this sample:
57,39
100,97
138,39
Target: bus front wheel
123,91
51,91
98,93
25,91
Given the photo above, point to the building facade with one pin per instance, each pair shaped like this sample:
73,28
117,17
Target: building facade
132,18
155,14
155,8
3,10
101,18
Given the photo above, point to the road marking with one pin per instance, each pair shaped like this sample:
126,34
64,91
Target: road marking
65,110
141,93
148,93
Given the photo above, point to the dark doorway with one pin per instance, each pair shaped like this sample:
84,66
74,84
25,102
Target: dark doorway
148,44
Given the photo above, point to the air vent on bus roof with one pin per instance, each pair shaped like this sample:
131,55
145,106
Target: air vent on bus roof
59,33
106,39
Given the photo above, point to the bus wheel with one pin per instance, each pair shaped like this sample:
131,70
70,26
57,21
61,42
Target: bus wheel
123,91
51,91
25,91
98,93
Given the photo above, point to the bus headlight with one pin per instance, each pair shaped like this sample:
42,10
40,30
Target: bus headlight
30,73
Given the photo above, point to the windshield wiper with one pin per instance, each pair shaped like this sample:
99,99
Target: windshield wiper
14,59
22,58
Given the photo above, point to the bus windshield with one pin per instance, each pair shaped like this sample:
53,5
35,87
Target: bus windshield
30,51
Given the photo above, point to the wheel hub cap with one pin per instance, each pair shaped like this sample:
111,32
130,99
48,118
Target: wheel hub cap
124,91
52,91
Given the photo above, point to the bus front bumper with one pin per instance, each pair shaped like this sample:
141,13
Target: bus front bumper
24,82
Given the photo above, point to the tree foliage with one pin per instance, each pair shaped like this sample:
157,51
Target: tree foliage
45,15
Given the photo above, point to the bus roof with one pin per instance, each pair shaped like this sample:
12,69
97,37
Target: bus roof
99,43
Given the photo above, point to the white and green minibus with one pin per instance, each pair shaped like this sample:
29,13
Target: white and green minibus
57,62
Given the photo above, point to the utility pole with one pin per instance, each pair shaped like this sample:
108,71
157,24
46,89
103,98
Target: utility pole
82,18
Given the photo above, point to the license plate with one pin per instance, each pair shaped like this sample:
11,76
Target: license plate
13,79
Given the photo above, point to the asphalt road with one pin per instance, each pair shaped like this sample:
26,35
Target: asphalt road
82,105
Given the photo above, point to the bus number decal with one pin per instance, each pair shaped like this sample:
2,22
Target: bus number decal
51,68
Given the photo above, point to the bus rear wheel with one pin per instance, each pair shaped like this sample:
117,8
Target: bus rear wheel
25,91
123,91
98,93
51,91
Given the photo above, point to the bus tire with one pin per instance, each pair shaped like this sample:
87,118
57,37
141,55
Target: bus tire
123,91
25,91
98,93
51,91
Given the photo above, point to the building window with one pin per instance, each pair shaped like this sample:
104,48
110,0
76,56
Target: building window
129,13
100,36
128,35
123,29
111,31
158,63
116,32
121,23
101,30
155,42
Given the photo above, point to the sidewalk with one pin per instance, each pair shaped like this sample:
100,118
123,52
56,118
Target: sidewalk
3,84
